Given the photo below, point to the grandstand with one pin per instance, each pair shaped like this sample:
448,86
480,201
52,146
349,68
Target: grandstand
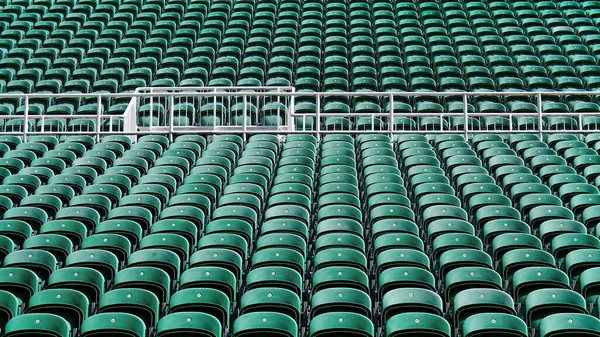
299,168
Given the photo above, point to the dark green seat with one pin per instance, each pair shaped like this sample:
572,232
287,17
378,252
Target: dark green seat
193,324
115,324
38,324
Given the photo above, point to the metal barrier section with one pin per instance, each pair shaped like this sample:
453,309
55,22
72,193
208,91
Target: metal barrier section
67,114
244,110
282,110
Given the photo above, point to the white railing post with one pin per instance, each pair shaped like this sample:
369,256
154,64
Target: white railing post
171,115
98,113
278,110
26,119
129,117
215,109
318,117
441,121
292,112
244,117
391,121
466,116
540,119
152,110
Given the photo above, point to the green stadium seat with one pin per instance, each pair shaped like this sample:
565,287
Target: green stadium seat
187,323
117,324
44,324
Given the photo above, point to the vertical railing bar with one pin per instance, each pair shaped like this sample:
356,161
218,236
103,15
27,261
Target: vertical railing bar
318,117
244,118
171,115
441,121
98,113
391,121
215,108
373,122
152,110
278,110
291,113
26,119
540,120
127,124
466,116
580,122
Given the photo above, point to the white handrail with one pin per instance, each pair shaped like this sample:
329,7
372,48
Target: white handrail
288,96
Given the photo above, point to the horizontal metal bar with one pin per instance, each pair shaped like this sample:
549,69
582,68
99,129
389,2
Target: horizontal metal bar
214,88
445,114
303,94
285,132
350,114
51,117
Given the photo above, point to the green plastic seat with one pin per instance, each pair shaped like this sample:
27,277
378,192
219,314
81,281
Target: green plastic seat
194,324
480,300
10,306
509,241
337,323
422,324
277,300
496,324
71,305
564,324
265,323
38,324
88,281
16,230
32,215
542,303
139,302
39,261
562,244
403,300
58,245
405,277
211,278
116,324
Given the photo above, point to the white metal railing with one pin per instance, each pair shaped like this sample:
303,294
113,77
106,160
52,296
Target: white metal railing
217,109
242,110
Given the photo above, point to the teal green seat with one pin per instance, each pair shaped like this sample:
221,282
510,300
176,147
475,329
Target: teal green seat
542,303
403,300
340,323
139,302
421,324
38,324
564,324
282,300
265,323
494,324
115,324
71,305
10,306
39,261
205,300
480,300
193,324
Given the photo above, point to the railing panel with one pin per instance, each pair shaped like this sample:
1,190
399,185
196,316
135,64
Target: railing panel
282,110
